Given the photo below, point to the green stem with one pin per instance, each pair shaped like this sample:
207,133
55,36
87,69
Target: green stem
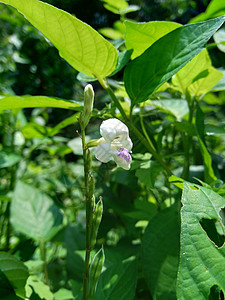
88,212
147,143
43,257
188,142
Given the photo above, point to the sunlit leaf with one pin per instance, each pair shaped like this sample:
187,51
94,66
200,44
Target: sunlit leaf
146,73
115,6
40,289
140,36
219,86
215,9
198,76
12,102
78,43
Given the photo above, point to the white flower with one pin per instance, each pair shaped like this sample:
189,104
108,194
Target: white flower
115,143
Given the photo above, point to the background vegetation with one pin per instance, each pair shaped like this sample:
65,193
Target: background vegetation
41,164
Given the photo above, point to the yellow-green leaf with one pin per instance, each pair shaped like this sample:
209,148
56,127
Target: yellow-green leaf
198,76
140,36
12,102
78,43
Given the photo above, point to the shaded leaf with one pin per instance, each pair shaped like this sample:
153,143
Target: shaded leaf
147,173
34,214
6,289
219,38
34,130
160,253
177,107
118,281
202,263
8,159
15,272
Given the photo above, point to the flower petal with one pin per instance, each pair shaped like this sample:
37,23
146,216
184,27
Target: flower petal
113,129
125,143
104,153
123,158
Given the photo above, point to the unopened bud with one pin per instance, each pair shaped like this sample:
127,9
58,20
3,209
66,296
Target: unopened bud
96,220
88,103
95,271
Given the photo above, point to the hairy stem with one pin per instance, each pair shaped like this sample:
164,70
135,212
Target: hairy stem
88,212
43,257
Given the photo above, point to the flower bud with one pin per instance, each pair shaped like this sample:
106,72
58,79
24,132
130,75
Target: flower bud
96,220
88,103
95,271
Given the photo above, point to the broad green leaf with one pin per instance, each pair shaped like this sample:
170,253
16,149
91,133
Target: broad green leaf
34,214
177,107
115,6
12,102
130,8
111,33
146,73
219,38
118,281
219,86
34,130
123,59
41,289
198,76
15,272
215,8
148,172
176,181
143,210
185,126
202,262
78,43
6,289
160,253
8,159
63,294
74,242
140,36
